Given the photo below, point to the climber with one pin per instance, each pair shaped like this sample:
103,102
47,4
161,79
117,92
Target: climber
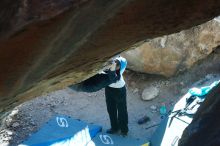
116,100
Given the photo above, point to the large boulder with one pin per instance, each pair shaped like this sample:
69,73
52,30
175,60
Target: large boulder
46,45
171,54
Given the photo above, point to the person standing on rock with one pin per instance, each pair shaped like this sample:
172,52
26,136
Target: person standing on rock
115,95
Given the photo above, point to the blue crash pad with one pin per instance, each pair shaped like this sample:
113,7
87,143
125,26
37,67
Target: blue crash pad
103,139
63,130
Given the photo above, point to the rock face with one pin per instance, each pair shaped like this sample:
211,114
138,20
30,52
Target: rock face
171,54
49,44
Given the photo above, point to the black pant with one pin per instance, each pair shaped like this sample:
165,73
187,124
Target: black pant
117,108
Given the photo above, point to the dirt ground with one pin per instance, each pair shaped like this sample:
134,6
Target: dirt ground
91,107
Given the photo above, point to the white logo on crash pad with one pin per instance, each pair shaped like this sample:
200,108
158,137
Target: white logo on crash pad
106,139
62,122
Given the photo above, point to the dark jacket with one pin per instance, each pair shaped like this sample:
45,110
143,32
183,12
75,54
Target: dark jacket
97,82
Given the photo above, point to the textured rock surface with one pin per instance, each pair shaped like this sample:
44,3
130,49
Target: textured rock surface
170,54
49,44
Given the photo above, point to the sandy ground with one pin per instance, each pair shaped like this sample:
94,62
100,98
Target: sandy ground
91,107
